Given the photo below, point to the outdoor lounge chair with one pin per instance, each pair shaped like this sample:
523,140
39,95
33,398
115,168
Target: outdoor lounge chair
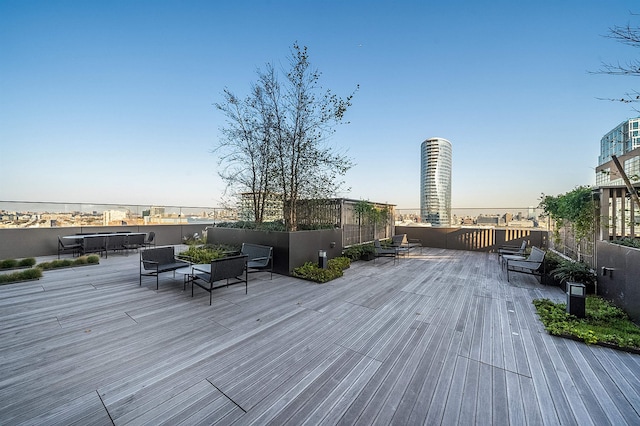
93,244
134,242
512,250
221,271
384,252
531,265
68,246
157,260
259,258
150,241
404,245
512,253
115,242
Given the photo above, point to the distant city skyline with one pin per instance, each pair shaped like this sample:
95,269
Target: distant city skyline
61,215
100,100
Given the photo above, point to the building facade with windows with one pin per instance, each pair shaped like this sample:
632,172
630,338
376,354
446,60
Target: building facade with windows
623,141
435,181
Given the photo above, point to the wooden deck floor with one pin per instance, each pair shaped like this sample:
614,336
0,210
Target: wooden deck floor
439,338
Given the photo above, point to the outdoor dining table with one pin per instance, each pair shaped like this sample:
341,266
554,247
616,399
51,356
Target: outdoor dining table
87,247
79,237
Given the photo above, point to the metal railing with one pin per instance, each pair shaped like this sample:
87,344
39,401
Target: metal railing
498,217
19,214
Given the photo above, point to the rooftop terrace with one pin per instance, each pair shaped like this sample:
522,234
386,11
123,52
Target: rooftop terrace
439,338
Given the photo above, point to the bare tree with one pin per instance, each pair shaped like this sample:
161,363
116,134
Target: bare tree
275,141
630,36
245,151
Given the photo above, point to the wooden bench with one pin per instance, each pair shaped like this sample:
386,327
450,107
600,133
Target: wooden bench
158,260
259,258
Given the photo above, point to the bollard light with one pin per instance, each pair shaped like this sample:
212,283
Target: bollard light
322,259
576,299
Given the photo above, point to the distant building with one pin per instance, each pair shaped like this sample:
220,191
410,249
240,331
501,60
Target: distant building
435,181
624,142
468,221
486,220
522,223
113,217
156,211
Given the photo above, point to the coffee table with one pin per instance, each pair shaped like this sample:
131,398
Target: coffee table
187,273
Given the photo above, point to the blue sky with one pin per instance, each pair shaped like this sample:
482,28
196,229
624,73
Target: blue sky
111,102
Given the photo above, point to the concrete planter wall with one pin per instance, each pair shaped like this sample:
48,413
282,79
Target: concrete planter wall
290,249
620,281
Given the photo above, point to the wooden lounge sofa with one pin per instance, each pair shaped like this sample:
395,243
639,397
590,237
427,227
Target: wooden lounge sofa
532,265
155,261
259,257
220,273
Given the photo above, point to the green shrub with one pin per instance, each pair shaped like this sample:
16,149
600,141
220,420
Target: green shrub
205,254
45,265
356,252
341,263
8,264
13,263
604,323
27,262
65,263
353,252
628,242
552,260
571,271
28,274
310,271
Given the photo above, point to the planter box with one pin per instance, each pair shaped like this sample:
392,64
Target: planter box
290,249
619,280
367,256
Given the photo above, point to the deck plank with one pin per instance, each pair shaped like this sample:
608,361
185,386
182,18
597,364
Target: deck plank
438,338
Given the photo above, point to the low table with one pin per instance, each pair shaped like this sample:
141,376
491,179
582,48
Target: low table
187,273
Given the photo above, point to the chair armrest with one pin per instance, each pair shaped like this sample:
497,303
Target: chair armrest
523,260
260,258
183,258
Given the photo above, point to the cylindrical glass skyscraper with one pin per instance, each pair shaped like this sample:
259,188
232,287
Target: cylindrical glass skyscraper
435,182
